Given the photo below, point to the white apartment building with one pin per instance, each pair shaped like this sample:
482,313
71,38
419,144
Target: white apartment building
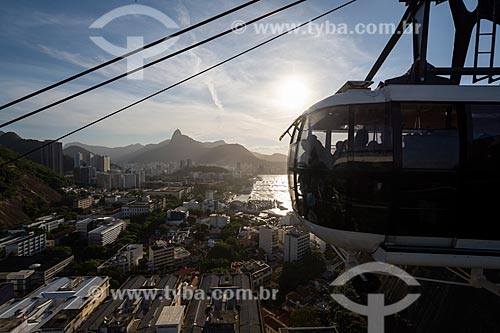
296,245
126,258
268,240
106,234
161,256
137,208
25,245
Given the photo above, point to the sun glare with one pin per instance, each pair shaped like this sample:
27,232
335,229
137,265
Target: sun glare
292,93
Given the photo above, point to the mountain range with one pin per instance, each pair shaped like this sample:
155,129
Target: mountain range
182,147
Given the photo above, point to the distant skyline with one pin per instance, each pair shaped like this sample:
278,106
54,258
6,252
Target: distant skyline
240,102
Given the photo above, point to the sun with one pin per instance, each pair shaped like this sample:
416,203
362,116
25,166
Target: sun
292,93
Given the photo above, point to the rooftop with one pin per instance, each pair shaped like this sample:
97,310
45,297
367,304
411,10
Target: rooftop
8,324
14,264
44,305
238,315
170,315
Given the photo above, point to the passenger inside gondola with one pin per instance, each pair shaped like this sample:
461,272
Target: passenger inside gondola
361,138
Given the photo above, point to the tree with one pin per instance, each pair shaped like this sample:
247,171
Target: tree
221,251
345,320
305,317
58,250
301,272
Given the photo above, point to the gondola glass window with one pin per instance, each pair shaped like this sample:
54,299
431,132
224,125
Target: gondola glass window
324,139
430,136
485,143
372,142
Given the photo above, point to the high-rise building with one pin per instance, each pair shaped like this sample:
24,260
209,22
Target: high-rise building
140,179
268,240
52,156
297,244
85,175
129,180
103,180
78,160
161,256
102,163
105,234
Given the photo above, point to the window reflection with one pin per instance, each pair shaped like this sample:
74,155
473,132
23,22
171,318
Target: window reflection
485,146
430,136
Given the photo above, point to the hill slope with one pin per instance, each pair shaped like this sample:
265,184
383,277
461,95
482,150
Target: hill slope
116,154
24,187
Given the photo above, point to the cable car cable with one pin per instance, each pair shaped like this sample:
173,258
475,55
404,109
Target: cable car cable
192,46
128,54
179,82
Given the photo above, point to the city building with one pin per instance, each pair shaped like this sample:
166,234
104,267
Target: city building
52,156
46,223
161,256
103,180
102,163
30,272
182,257
137,208
105,234
128,315
6,292
78,160
85,175
170,319
219,221
129,181
24,244
177,216
261,272
296,245
84,226
191,205
126,258
273,324
268,240
59,307
83,203
228,315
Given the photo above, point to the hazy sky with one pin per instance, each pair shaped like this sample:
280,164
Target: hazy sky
251,100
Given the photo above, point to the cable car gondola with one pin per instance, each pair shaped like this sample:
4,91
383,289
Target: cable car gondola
409,171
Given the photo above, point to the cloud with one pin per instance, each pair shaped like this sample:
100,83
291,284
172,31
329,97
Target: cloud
72,58
213,93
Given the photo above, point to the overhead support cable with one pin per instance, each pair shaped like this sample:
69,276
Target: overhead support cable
171,55
267,41
128,54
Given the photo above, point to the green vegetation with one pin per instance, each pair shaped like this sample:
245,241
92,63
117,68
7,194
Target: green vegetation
301,272
11,175
340,317
305,317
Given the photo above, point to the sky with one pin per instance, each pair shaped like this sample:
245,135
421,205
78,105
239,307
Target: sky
251,100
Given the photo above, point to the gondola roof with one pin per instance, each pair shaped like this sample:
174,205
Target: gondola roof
412,93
